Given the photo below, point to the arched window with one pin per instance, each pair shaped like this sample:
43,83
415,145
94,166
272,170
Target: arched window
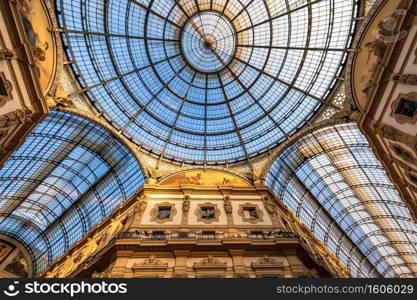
68,175
334,184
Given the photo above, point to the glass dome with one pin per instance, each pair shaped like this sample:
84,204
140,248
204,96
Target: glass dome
207,81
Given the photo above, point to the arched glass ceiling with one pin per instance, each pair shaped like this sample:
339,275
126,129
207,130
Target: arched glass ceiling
207,81
68,175
336,186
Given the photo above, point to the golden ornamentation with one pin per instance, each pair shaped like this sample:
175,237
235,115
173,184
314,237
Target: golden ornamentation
210,260
209,178
86,251
266,260
154,174
66,267
114,228
153,261
60,98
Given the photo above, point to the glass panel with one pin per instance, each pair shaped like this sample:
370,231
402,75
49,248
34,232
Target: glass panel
335,185
207,83
65,178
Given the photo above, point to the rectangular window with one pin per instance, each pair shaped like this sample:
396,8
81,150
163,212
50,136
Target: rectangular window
250,213
207,212
407,108
164,212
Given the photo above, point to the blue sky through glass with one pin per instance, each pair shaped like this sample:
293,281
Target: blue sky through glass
66,177
130,56
335,185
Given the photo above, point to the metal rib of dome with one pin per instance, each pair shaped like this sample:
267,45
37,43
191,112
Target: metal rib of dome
68,175
214,81
337,187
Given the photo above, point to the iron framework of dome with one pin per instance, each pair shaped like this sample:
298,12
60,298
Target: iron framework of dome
333,182
68,175
207,82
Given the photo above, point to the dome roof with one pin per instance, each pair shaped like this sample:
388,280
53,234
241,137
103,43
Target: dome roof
207,82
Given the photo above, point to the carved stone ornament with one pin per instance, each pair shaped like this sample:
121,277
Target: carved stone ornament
391,133
403,153
154,174
152,260
6,54
228,205
10,123
269,205
259,213
113,229
86,251
400,117
266,260
6,88
155,210
15,118
66,267
60,98
410,79
151,264
201,218
186,205
210,261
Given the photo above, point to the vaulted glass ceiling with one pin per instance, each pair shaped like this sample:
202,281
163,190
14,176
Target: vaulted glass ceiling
335,185
67,176
207,81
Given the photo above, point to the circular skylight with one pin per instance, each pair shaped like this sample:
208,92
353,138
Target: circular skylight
208,41
207,82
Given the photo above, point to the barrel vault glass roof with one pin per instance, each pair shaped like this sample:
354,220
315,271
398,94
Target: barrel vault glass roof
335,185
207,81
67,176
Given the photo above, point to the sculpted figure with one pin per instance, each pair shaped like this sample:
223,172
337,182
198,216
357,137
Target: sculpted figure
50,274
87,250
186,205
66,267
114,228
227,205
269,206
